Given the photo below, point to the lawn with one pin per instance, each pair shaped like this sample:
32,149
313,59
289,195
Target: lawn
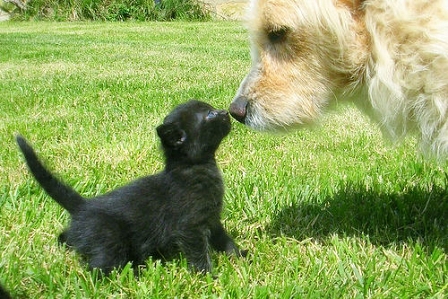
332,211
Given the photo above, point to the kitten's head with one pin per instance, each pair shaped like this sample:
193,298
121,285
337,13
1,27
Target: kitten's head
193,130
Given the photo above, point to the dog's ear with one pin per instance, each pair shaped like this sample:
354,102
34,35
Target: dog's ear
171,135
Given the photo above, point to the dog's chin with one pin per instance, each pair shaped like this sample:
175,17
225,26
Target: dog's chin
273,115
261,121
268,125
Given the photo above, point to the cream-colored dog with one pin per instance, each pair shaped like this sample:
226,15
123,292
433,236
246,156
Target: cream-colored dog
388,56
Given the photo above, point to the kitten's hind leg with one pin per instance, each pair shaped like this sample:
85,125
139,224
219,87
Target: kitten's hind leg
104,240
63,239
108,259
194,245
221,241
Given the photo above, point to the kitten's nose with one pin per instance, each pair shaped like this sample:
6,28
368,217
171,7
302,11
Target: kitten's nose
238,109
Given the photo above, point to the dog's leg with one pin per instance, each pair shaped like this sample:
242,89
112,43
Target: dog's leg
194,245
221,241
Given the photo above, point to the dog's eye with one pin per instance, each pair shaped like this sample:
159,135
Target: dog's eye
277,35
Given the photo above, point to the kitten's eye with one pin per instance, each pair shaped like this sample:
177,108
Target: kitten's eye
277,35
211,114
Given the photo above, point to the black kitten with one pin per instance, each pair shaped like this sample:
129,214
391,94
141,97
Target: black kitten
176,210
4,293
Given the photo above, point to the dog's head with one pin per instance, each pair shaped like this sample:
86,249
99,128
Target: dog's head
303,53
193,130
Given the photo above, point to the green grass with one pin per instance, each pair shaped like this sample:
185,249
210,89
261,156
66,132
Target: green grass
111,10
328,212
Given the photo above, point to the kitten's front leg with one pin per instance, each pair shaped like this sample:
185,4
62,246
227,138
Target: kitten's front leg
221,241
194,245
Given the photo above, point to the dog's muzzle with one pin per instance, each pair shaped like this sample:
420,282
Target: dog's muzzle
238,109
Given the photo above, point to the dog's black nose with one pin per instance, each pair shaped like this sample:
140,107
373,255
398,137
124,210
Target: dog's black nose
238,109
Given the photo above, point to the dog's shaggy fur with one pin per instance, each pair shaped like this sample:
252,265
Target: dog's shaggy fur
388,56
176,210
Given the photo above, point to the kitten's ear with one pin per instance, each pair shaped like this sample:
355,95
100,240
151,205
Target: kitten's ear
171,134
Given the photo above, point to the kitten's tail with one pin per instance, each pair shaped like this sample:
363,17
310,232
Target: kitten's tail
61,193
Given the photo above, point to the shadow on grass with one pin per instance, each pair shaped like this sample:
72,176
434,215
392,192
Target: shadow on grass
413,215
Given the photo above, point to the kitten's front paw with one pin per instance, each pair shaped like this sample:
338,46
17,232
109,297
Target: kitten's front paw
242,253
235,251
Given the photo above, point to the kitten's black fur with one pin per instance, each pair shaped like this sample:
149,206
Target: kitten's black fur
4,294
176,210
